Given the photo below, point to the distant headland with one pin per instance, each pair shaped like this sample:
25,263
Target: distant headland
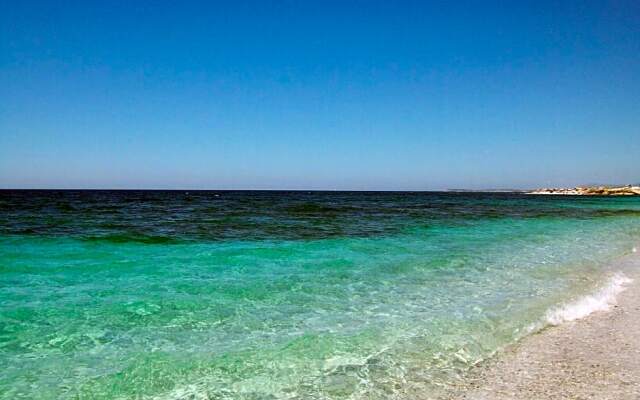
627,190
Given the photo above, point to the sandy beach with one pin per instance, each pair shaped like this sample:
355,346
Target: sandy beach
595,357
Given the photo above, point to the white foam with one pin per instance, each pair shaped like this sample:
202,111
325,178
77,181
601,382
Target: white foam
602,300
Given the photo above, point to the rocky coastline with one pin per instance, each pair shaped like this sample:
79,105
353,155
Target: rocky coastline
628,190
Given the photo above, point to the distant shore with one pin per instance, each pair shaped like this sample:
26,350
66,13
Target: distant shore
591,191
597,357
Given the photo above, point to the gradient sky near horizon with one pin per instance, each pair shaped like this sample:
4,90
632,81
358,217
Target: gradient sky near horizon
319,95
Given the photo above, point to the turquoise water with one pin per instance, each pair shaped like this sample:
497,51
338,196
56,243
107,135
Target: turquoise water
275,295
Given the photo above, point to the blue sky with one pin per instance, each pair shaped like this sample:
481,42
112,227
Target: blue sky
319,95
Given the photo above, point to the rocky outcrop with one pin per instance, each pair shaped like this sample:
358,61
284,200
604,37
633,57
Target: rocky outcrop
592,191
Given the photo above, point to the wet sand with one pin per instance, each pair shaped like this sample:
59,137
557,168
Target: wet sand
597,357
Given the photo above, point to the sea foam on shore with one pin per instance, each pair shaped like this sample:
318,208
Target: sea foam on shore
587,353
602,300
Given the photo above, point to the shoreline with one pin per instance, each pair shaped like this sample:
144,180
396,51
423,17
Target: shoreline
594,357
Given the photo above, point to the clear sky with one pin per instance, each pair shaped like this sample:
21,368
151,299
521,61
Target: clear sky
318,95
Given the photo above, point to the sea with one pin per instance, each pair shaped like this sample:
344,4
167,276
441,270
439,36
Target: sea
290,294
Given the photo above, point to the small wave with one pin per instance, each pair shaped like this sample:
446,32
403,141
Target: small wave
131,238
311,208
601,300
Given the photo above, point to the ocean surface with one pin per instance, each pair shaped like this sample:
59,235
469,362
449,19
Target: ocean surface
287,295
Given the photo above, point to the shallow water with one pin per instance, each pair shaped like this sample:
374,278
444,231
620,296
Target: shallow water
284,295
